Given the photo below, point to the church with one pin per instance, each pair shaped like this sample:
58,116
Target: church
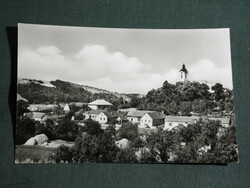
183,74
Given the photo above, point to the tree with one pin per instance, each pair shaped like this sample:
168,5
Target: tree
47,128
67,130
95,148
160,145
126,155
218,91
128,131
25,129
63,154
92,127
134,102
22,107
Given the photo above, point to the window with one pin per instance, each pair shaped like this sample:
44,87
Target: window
170,124
100,118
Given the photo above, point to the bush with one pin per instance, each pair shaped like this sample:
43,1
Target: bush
128,131
126,155
63,154
25,129
67,130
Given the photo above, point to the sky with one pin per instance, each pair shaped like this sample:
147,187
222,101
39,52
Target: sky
123,60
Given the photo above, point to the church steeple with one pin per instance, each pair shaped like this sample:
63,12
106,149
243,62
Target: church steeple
183,73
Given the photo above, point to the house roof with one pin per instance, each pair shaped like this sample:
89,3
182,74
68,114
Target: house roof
181,118
222,120
122,117
156,115
38,114
100,102
96,112
137,113
111,114
28,114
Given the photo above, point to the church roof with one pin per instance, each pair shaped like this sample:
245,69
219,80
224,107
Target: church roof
183,69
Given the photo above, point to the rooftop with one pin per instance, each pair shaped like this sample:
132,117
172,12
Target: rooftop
100,102
181,118
137,113
156,115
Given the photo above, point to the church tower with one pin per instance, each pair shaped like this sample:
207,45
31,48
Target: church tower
183,74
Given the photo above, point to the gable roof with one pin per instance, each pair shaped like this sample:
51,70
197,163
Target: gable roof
95,112
100,102
38,114
187,119
222,120
111,114
137,113
156,115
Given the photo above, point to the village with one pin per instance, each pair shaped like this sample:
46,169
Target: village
61,125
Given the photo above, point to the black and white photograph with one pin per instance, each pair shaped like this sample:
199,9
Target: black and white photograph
116,95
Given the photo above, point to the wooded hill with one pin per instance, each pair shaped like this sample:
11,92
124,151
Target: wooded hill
37,92
174,99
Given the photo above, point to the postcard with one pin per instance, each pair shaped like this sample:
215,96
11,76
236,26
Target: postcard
112,95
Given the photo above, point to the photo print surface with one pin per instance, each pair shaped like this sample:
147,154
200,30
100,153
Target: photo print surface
112,95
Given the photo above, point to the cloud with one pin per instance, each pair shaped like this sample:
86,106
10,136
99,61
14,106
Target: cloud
206,70
94,65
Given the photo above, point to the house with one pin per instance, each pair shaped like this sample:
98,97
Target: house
38,116
174,121
107,117
152,119
225,122
134,116
99,104
122,119
66,108
92,114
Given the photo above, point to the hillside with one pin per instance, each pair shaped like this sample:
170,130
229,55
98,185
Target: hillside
38,91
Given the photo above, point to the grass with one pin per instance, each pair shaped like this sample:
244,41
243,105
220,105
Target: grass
33,154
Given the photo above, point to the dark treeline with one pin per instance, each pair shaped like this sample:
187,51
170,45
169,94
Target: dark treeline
204,142
174,99
183,98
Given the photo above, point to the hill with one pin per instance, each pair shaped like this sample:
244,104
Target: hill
38,91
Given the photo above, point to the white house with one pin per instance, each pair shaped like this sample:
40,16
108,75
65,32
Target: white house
92,114
99,104
102,116
66,108
152,119
174,121
38,116
134,116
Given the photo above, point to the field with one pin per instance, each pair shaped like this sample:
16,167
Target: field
32,154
